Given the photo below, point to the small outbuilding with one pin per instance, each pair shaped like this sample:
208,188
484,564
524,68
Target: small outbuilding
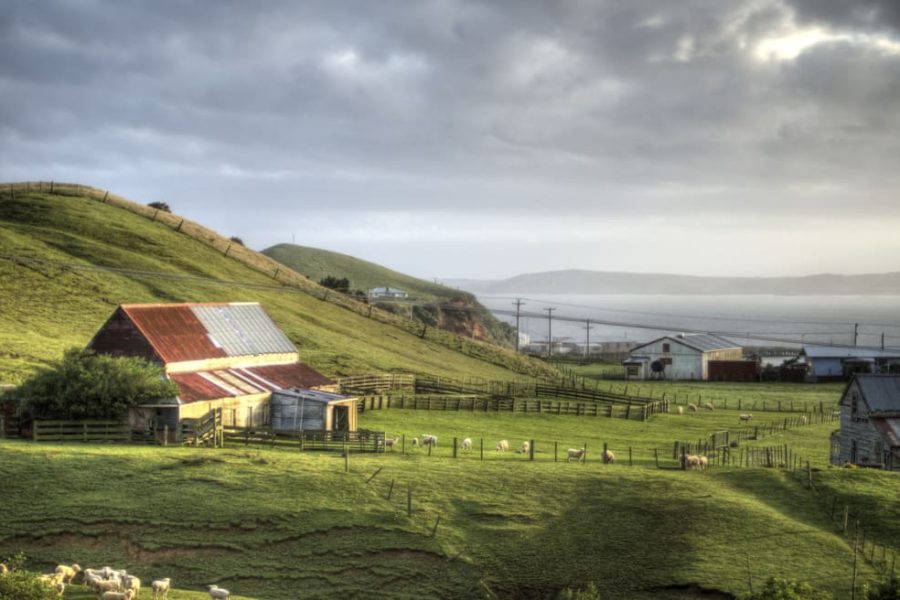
870,423
681,357
387,292
839,363
297,409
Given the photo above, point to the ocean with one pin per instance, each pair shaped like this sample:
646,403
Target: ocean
759,320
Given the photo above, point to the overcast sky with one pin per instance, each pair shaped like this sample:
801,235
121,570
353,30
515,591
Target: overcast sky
480,139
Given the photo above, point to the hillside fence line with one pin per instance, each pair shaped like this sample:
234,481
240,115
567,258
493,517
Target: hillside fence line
282,274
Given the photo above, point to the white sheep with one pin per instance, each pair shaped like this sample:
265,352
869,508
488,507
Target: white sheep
608,457
679,410
114,584
576,453
429,440
160,588
126,595
745,418
51,579
132,583
390,443
415,442
466,444
68,573
691,461
709,406
3,569
91,578
526,446
502,446
219,593
692,407
704,462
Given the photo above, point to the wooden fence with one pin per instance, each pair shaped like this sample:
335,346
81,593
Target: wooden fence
377,384
363,440
477,403
81,431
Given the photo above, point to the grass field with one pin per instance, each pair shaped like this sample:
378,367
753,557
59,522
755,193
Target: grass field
47,308
285,524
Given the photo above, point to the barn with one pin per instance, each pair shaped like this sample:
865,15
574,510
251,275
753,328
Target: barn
870,423
225,356
839,363
682,357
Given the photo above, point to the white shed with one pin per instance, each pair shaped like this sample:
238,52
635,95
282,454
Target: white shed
680,357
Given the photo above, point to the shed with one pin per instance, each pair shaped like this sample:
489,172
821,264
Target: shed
680,357
298,409
870,423
838,363
387,292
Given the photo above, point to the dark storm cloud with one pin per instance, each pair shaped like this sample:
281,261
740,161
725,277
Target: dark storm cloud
595,109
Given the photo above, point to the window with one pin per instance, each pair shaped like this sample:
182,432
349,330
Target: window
667,347
632,371
854,406
666,360
853,451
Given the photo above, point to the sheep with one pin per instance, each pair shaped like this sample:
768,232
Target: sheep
91,578
68,573
608,457
429,440
745,418
709,406
679,410
692,407
126,595
526,446
803,420
108,585
132,583
51,579
219,593
691,461
415,442
502,446
704,462
160,588
3,569
466,444
60,588
576,453
390,443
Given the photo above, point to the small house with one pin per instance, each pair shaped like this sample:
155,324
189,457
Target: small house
229,357
387,292
870,423
681,357
839,363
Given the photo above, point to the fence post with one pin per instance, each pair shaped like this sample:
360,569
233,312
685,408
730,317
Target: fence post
391,489
403,444
481,448
555,451
408,499
630,463
531,451
454,447
656,457
346,459
166,434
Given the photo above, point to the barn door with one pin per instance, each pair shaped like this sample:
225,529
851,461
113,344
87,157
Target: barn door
341,418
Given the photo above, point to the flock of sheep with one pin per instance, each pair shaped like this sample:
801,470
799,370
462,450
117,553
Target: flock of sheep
708,406
112,584
430,440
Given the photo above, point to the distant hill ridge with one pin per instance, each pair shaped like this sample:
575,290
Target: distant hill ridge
576,281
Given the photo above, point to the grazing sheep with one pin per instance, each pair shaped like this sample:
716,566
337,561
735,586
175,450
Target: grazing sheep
390,443
60,588
526,446
160,588
709,406
219,593
691,461
692,407
415,442
67,572
608,457
132,583
745,418
108,585
429,440
704,462
3,569
126,595
91,578
576,453
804,420
502,446
51,579
679,410
466,444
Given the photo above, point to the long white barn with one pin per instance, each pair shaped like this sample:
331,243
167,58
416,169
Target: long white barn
680,357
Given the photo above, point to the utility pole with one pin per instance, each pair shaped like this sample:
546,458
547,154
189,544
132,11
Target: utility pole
882,340
855,559
855,334
587,344
518,304
549,331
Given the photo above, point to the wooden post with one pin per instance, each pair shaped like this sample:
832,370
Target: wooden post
481,448
531,451
584,455
630,463
391,489
403,444
373,475
436,523
346,459
846,517
408,499
603,456
656,457
808,475
555,451
166,434
454,447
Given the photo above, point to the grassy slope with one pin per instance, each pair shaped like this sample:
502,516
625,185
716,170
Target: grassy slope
46,309
280,524
316,264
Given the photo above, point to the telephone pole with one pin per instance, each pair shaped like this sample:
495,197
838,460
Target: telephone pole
549,331
587,344
855,334
518,304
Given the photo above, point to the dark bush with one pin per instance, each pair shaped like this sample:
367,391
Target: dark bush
237,240
163,206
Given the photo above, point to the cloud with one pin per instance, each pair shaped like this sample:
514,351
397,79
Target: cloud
588,112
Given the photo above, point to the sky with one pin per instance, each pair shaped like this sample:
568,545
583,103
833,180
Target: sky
467,139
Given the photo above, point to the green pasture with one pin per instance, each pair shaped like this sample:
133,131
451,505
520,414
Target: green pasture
48,308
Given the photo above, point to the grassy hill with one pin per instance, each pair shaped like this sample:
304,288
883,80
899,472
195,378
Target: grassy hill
281,524
428,302
67,261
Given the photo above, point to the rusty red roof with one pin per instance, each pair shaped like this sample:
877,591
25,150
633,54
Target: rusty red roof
174,331
231,383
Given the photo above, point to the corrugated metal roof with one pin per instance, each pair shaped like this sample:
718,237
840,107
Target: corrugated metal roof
889,430
703,342
185,332
231,383
847,352
881,392
311,395
242,329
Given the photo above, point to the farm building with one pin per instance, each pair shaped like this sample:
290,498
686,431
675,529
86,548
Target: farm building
387,292
836,363
297,409
870,423
699,356
225,356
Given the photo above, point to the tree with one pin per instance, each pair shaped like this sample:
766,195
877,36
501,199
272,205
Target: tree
333,283
20,584
785,589
163,206
86,385
888,589
237,240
